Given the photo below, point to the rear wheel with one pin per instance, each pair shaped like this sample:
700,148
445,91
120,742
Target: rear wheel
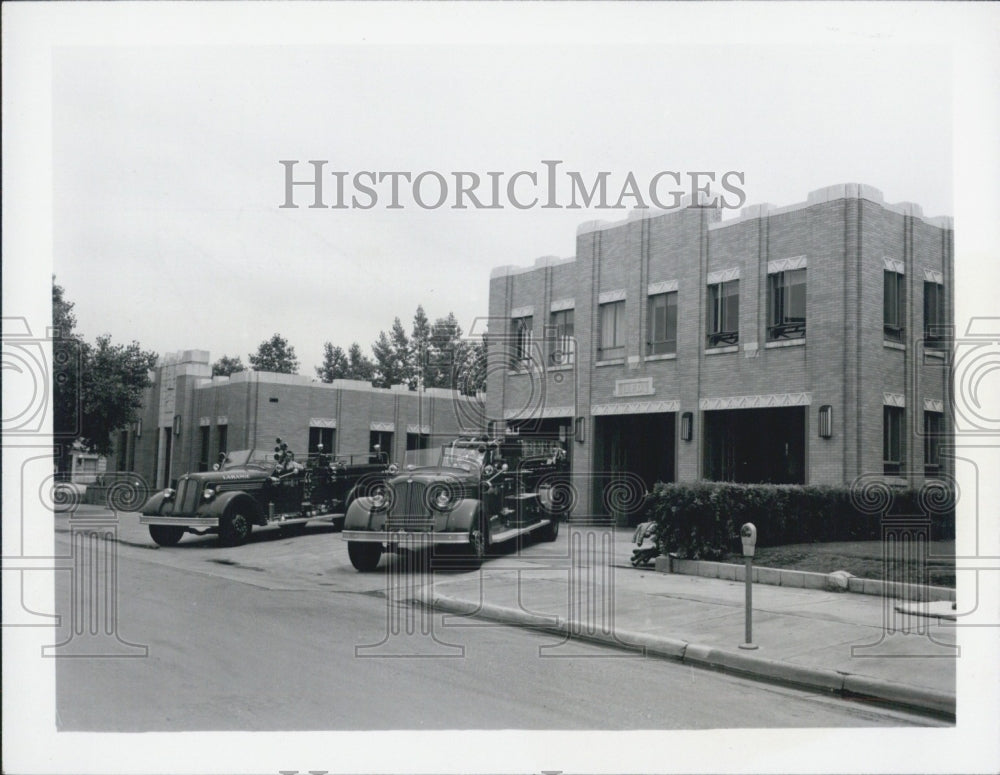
165,535
364,554
234,528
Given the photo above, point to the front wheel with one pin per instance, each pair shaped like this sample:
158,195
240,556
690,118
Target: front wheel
364,555
234,528
550,532
475,551
166,535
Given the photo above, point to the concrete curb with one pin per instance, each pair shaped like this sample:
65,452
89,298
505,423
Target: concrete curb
838,581
737,662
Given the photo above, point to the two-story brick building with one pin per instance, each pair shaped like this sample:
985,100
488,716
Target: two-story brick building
188,417
796,344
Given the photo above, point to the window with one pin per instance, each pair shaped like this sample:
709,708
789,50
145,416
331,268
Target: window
786,303
417,441
384,441
933,315
933,432
204,453
562,347
662,324
893,449
521,335
893,306
723,313
121,448
612,337
324,436
223,431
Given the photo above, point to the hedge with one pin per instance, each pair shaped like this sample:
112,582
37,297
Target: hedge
702,520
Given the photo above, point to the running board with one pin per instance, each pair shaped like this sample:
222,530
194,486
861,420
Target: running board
499,538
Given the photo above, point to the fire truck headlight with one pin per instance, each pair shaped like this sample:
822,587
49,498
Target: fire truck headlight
208,494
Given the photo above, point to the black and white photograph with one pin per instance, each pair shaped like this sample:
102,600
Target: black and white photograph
500,387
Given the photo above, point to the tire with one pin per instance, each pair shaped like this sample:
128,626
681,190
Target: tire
364,555
551,531
474,552
234,528
166,535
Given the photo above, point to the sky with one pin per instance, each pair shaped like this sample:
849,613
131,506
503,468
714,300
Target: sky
167,224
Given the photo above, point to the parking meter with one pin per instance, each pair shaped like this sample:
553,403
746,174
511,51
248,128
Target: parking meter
748,534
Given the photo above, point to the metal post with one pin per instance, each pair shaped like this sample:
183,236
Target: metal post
749,644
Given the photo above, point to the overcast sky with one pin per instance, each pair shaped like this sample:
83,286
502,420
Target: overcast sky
167,225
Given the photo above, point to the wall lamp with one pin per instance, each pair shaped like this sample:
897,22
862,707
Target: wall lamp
138,429
581,428
687,426
177,425
826,421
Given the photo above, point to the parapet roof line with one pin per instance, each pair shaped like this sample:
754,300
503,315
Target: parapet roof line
749,212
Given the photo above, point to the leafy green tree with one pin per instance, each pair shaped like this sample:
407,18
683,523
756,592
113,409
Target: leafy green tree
226,366
275,354
335,364
393,358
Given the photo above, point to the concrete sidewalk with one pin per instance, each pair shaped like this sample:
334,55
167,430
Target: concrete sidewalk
831,641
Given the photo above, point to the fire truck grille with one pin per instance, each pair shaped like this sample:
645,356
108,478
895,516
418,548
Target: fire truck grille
187,496
410,510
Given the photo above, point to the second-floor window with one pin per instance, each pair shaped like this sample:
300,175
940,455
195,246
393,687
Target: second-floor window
786,303
934,335
723,313
561,342
612,337
893,306
662,324
521,341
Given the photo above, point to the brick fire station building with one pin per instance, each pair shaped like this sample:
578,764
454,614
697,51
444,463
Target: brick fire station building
795,344
188,417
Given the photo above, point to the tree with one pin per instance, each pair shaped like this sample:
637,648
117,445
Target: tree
393,364
67,358
226,366
335,364
98,388
472,371
448,353
113,380
360,366
420,344
275,354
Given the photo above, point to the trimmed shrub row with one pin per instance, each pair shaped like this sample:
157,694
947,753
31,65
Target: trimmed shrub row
701,520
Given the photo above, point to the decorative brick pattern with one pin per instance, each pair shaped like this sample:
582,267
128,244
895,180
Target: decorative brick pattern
893,399
755,402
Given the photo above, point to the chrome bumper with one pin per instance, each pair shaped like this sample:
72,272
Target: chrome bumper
404,538
165,519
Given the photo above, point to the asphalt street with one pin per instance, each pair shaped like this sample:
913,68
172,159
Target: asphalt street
283,634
